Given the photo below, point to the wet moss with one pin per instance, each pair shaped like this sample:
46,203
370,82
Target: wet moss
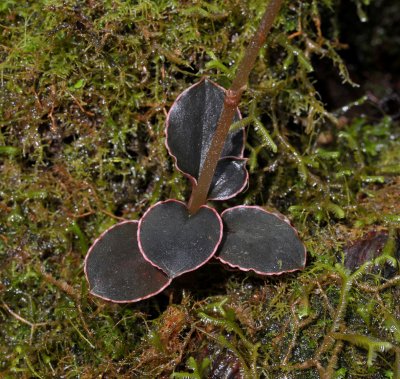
85,88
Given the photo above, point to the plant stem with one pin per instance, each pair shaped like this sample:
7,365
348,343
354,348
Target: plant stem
231,101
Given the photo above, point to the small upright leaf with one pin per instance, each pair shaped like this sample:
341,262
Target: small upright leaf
190,127
175,241
191,124
230,178
257,240
117,271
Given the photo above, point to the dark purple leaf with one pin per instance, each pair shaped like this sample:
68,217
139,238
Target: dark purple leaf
370,246
230,178
364,249
175,241
191,124
117,271
257,240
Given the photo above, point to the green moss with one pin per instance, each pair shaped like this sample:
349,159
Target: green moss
84,93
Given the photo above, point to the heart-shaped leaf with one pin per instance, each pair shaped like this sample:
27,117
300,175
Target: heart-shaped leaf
175,241
117,271
190,127
257,240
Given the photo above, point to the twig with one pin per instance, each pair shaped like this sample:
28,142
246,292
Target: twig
23,320
20,318
62,285
231,101
391,282
112,215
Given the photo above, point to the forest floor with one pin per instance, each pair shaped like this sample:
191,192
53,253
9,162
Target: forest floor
84,92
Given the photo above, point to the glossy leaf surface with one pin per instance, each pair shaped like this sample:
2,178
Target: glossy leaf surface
117,271
230,178
257,240
191,124
176,242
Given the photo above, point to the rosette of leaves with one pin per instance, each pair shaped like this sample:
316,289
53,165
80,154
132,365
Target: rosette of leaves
134,260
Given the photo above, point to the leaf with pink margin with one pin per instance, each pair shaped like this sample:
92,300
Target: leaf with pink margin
190,126
258,240
175,241
230,178
117,271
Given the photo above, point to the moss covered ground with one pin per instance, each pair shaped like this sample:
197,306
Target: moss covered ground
84,92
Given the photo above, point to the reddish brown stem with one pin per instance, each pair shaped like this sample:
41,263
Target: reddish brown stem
231,101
